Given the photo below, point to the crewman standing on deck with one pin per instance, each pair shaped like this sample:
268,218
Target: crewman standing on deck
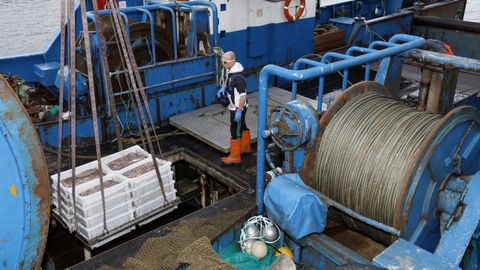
235,89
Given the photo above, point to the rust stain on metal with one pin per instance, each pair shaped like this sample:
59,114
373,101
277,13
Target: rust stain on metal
7,116
426,149
41,189
195,101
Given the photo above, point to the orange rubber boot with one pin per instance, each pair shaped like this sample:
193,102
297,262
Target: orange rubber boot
235,151
246,148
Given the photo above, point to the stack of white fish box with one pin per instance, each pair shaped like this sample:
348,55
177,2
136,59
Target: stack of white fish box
131,189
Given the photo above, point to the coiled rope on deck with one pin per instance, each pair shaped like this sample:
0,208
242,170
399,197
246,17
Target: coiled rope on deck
365,155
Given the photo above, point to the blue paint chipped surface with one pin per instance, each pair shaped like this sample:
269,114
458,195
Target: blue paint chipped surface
24,235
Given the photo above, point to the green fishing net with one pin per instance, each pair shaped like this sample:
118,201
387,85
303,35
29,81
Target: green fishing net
233,255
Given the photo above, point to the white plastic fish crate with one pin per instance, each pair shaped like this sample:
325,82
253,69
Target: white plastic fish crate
79,187
94,218
91,205
111,237
165,168
112,213
136,152
66,201
148,196
110,202
160,214
91,210
67,207
122,187
66,219
154,204
83,202
142,181
115,222
140,187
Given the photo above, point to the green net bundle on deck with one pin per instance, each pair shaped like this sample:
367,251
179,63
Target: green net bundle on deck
188,242
233,255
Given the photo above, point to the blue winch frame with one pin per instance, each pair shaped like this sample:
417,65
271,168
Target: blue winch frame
454,146
399,43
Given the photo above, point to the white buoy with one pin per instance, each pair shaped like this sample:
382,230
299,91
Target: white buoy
246,245
259,249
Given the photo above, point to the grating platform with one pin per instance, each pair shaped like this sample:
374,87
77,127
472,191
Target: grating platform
212,124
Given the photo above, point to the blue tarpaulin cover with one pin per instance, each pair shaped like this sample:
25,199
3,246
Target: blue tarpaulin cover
291,205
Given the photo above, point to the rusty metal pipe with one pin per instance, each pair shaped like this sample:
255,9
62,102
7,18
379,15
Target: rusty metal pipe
446,23
424,88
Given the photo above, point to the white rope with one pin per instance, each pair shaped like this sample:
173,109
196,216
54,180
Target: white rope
261,223
221,79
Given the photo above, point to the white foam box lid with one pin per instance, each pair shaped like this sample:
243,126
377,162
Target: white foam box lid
131,150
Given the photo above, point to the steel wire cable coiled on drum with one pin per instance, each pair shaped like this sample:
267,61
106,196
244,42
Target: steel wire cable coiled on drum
365,155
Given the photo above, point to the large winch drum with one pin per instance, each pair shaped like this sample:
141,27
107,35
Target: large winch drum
389,162
24,188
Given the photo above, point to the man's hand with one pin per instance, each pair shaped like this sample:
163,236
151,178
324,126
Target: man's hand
221,92
238,116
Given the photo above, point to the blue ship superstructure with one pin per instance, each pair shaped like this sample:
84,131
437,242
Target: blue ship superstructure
186,78
307,47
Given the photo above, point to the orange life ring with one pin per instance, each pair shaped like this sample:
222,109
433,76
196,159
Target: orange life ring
299,12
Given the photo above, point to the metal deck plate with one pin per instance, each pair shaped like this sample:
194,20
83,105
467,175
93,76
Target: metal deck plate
212,124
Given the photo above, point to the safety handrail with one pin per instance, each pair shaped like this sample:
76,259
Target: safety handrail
328,57
198,3
91,17
153,6
362,50
152,31
321,69
452,61
193,30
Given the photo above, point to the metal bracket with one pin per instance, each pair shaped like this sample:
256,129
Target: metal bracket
455,240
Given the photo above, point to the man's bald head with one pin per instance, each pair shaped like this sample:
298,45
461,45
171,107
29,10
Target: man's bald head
228,60
229,55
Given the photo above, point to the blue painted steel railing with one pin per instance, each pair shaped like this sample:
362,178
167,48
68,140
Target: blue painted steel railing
397,44
331,56
170,7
